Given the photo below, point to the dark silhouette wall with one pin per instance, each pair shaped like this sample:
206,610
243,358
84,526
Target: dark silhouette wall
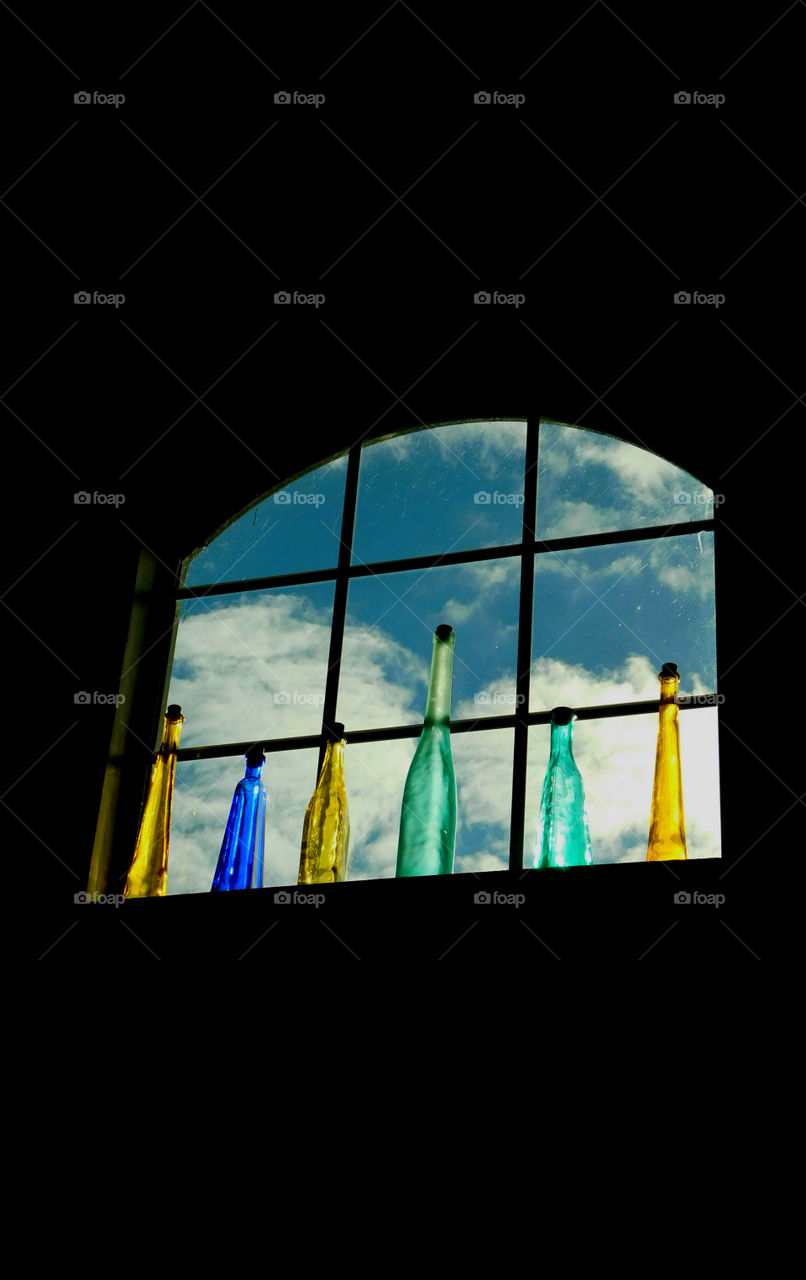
396,198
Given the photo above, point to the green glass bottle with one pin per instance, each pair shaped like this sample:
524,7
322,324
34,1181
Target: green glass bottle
428,814
563,838
326,829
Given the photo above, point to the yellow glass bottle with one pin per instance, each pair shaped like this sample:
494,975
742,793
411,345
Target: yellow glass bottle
667,826
326,830
148,874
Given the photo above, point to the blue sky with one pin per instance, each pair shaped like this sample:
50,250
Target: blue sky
254,664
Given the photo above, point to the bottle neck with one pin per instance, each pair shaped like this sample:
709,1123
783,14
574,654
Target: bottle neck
438,702
669,686
334,755
170,735
561,740
254,770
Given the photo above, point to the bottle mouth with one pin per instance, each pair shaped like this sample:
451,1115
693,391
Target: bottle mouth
562,715
334,732
669,671
173,712
443,631
255,756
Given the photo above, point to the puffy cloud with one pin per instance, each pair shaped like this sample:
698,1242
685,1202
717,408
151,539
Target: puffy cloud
628,486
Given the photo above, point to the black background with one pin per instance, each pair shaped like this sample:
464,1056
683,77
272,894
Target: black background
199,197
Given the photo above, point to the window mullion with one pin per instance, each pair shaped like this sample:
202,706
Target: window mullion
524,667
340,596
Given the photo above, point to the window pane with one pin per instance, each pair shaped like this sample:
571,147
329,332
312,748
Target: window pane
616,758
390,622
201,804
483,766
607,618
591,483
252,664
375,776
444,489
295,529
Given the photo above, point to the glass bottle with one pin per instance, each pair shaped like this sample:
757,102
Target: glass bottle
563,838
326,830
148,873
428,814
240,862
667,827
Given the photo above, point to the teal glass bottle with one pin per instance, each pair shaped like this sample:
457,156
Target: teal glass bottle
563,838
428,815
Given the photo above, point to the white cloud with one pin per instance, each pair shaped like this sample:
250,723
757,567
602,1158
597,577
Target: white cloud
682,564
635,681
672,565
573,519
648,482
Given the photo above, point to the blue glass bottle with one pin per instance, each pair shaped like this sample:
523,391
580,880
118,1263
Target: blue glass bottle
240,862
563,839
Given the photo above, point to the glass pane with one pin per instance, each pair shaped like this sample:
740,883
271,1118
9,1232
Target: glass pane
591,483
202,797
390,622
607,618
293,530
375,776
252,664
483,766
443,489
616,758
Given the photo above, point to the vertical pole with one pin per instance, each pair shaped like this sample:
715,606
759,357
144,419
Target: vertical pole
524,668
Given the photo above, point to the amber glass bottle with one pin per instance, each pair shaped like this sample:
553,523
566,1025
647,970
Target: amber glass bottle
667,827
148,874
326,829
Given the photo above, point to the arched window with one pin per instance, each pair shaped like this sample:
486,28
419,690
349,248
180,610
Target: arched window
570,564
